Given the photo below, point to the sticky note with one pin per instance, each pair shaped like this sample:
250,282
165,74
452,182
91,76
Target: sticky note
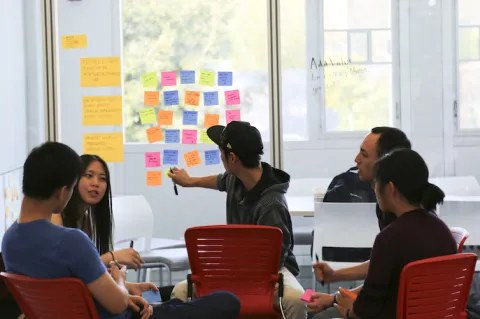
189,137
212,157
76,41
154,178
211,120
192,98
108,146
151,98
152,159
187,77
170,157
169,78
149,80
232,115
101,110
170,98
225,78
192,158
95,72
165,117
147,116
190,118
172,136
232,97
154,134
207,78
204,137
210,98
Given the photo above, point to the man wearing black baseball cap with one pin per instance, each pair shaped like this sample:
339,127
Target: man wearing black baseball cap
256,196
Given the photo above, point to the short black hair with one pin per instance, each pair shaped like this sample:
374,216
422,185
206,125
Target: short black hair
49,167
391,138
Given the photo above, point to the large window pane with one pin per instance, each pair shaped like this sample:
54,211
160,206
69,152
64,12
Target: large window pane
469,91
468,12
356,14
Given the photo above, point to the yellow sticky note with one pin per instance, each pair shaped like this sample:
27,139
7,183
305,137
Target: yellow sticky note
96,72
207,78
192,158
204,137
154,134
101,110
76,41
147,116
149,80
154,178
108,146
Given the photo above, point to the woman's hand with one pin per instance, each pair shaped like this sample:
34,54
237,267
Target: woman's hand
129,257
323,272
136,289
319,302
147,310
180,176
344,301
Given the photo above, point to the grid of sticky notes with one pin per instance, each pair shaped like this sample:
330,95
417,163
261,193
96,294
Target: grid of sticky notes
178,108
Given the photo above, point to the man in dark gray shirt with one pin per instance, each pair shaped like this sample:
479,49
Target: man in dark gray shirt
255,196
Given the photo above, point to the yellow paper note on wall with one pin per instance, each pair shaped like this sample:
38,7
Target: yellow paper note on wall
204,137
109,146
100,72
207,78
101,110
76,41
147,116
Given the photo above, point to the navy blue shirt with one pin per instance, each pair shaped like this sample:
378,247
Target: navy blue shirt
40,249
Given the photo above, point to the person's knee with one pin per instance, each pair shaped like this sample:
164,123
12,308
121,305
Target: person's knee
180,291
292,303
227,302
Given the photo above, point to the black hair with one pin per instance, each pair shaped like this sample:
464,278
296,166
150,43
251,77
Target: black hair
390,138
249,161
98,222
48,168
408,172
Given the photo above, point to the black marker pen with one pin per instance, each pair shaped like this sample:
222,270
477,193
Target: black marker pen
318,260
174,184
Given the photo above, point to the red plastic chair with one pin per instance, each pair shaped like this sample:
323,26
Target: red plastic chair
242,259
460,235
436,287
51,298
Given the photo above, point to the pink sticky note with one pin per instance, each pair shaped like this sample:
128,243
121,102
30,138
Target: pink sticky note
232,115
189,137
169,78
307,296
232,97
152,159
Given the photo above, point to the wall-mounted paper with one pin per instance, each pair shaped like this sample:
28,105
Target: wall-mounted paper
170,157
108,146
149,80
76,41
187,77
225,79
154,178
211,120
190,117
152,159
212,157
169,78
165,117
189,137
192,98
151,98
101,110
170,98
232,97
154,134
210,98
96,72
172,136
232,115
147,116
192,158
207,78
204,137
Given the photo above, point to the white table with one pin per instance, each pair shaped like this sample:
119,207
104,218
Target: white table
301,205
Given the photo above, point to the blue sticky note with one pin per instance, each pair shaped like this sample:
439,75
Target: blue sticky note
225,79
212,157
172,136
190,117
210,98
187,77
170,98
170,157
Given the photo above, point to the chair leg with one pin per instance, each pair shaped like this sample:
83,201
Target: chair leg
161,276
169,276
139,271
328,288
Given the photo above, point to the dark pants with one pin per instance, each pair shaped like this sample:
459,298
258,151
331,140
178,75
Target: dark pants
218,305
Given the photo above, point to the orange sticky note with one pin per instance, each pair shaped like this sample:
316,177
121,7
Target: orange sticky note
165,117
211,120
192,158
154,178
154,134
151,98
192,98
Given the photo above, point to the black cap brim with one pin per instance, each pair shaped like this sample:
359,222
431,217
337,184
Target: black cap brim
214,133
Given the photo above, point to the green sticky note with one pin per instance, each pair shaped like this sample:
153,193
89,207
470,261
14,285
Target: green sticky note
207,78
149,80
204,137
147,116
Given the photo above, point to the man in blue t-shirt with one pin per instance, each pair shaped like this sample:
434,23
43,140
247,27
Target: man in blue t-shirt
34,247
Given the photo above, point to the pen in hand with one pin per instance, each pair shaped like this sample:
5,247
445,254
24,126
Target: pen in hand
131,243
174,184
318,260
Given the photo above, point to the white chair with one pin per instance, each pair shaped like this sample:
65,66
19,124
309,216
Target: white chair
460,235
458,185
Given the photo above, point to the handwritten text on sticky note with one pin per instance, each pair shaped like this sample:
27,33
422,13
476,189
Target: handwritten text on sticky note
152,159
172,136
76,41
192,98
154,178
95,72
192,158
190,118
108,146
225,78
187,77
232,97
189,137
165,117
149,80
207,78
151,98
169,78
232,115
154,134
211,120
101,110
170,98
210,98
170,157
212,157
147,116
